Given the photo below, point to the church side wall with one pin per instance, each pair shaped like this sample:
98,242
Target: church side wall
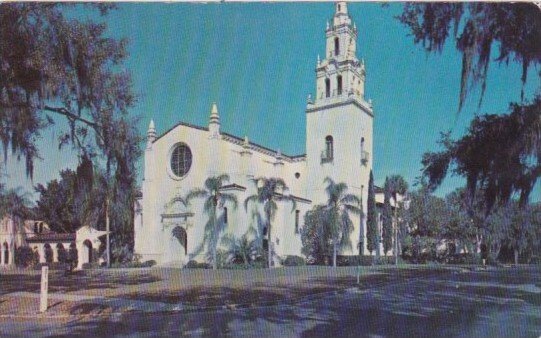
209,157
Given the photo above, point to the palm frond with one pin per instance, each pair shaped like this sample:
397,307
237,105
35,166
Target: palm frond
350,199
196,193
353,209
230,198
253,198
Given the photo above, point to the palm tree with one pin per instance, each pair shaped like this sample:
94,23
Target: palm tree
396,185
269,191
243,247
213,198
339,205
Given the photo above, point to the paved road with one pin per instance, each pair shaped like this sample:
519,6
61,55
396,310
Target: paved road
451,306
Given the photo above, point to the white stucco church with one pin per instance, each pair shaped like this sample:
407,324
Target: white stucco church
339,122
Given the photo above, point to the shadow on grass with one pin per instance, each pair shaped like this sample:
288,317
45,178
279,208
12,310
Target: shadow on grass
399,306
82,280
88,308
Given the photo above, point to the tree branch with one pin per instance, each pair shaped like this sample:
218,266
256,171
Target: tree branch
63,111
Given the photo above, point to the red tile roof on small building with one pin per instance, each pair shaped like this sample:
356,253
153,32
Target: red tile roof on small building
51,237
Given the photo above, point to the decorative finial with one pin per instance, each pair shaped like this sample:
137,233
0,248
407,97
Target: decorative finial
328,26
309,99
214,122
318,60
354,26
151,134
279,154
246,144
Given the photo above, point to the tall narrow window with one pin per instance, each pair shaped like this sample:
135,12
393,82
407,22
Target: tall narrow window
327,88
225,215
336,46
339,84
297,214
329,147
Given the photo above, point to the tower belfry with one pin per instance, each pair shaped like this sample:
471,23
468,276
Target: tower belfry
340,74
339,120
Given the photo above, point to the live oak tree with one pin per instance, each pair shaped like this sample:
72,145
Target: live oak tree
56,67
478,28
500,155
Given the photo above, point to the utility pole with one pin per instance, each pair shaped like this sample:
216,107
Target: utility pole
396,232
107,228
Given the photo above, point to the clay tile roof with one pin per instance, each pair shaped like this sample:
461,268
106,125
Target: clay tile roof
51,237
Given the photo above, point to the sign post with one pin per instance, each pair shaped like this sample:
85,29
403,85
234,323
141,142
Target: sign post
44,288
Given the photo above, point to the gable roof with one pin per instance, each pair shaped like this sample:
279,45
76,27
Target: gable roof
239,141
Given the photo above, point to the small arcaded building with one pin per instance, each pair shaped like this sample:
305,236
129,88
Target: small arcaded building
50,246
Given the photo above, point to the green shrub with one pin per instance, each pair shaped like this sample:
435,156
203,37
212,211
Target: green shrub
196,265
132,265
25,257
93,265
465,258
293,261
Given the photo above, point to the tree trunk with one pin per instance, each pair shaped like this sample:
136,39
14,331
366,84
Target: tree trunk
516,256
396,233
270,243
334,253
214,249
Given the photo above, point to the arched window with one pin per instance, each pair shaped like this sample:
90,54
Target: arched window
40,227
36,229
339,84
6,253
336,46
48,253
327,88
225,215
297,216
329,149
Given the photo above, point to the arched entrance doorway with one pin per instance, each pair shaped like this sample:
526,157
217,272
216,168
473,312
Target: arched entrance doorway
73,257
179,233
86,255
6,253
48,253
62,254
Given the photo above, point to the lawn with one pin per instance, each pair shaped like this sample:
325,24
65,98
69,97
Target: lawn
202,288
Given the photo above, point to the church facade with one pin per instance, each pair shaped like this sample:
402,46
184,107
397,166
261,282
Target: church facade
339,141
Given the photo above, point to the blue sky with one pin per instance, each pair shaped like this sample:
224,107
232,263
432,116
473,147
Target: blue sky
257,61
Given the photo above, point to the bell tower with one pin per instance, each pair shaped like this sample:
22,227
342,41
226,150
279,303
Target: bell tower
340,74
338,119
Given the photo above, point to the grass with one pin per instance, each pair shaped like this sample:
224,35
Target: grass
201,287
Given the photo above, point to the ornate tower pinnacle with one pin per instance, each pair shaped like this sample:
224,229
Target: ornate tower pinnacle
151,134
340,75
214,122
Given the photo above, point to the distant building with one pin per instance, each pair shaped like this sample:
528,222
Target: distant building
47,244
